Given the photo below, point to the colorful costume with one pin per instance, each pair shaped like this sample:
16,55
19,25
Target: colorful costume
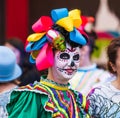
48,46
47,99
105,102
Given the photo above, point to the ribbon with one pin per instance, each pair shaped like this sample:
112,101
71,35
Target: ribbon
76,37
57,14
45,57
70,21
35,37
85,21
41,51
43,24
31,46
56,39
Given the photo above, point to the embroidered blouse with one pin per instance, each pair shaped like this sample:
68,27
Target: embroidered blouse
47,99
104,101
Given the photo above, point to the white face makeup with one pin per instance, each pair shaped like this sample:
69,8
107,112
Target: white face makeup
66,63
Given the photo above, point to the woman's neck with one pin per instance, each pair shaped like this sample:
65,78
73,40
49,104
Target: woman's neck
116,83
54,78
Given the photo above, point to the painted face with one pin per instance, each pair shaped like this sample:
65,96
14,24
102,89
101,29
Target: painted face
66,63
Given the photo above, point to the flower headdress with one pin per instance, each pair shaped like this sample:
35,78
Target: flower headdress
40,43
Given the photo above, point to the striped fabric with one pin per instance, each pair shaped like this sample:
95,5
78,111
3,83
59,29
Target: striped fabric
62,102
88,77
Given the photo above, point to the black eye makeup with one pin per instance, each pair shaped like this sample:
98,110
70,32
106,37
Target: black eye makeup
76,57
64,56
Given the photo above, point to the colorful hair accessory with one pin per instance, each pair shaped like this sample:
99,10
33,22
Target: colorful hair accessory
75,15
85,20
35,37
33,56
66,19
43,24
57,14
36,45
35,53
67,23
70,23
56,39
31,59
45,57
40,43
51,35
62,19
77,37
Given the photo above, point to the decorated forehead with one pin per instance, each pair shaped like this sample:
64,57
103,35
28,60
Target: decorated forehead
69,48
41,43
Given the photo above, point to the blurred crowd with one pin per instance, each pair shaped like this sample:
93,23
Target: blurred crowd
98,82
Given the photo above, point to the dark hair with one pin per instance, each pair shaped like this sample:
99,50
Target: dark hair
112,51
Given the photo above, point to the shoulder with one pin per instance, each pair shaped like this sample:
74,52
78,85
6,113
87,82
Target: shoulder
25,99
100,90
102,100
30,91
99,94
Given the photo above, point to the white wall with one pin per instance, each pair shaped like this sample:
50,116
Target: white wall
105,19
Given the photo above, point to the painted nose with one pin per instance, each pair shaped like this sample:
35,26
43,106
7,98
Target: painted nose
72,64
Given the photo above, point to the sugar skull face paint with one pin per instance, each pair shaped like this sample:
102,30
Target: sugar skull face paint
66,63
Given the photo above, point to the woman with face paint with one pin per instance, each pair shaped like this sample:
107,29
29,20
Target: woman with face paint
55,46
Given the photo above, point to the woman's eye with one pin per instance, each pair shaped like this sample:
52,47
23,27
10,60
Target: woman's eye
76,57
64,56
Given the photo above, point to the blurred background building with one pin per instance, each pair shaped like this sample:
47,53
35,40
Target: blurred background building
17,17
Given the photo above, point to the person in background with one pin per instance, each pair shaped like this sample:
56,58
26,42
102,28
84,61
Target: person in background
10,72
54,46
30,73
17,46
88,74
105,99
